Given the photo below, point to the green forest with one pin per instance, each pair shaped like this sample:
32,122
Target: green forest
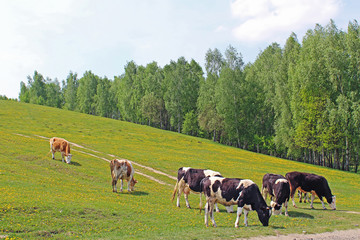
300,101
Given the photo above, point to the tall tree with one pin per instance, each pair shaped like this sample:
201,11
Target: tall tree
70,91
24,95
86,93
37,89
103,99
182,86
152,103
283,124
229,94
125,95
208,117
54,97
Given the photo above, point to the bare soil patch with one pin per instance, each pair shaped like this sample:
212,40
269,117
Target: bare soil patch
352,234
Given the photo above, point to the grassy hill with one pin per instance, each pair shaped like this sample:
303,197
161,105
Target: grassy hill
45,198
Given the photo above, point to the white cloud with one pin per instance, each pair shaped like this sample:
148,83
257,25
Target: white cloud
272,20
28,30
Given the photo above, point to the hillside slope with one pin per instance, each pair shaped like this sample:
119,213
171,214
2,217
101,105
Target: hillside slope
41,197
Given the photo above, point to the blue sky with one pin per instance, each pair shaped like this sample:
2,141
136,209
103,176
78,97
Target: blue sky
58,36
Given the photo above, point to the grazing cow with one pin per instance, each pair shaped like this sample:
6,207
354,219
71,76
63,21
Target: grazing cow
307,182
189,180
232,191
122,169
278,187
62,146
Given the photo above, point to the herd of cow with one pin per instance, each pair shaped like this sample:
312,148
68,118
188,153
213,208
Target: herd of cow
227,191
246,194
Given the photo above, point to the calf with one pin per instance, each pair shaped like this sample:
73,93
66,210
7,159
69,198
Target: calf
189,180
307,182
122,169
234,191
278,187
62,146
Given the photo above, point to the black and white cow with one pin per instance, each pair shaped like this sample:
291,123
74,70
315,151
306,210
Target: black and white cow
279,189
313,183
234,191
189,180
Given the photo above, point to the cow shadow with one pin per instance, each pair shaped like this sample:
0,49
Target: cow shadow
300,215
134,193
71,163
75,164
139,193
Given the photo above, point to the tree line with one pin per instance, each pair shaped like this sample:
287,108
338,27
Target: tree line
300,102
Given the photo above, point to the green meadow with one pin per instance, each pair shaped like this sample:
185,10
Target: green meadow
43,198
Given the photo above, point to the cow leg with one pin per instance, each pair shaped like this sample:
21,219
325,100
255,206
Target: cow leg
292,193
246,212
322,202
312,200
181,185
286,203
238,214
122,184
212,214
62,157
186,195
53,156
114,181
207,214
300,196
178,200
217,208
264,193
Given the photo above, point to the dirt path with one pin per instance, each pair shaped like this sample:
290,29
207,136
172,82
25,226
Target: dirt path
351,234
113,156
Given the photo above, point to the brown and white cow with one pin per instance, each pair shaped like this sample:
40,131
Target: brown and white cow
122,169
188,180
279,189
307,182
234,191
62,146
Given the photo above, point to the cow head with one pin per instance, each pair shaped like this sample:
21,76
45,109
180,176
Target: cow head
264,214
68,158
333,203
132,184
276,208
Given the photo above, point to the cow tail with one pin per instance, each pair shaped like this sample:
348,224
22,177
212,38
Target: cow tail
112,165
68,148
175,190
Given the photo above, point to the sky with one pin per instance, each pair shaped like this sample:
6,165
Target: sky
61,36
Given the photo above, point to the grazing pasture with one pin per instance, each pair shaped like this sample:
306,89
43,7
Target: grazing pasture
45,198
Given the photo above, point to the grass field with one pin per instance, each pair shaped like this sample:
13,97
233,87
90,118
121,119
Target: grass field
45,198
